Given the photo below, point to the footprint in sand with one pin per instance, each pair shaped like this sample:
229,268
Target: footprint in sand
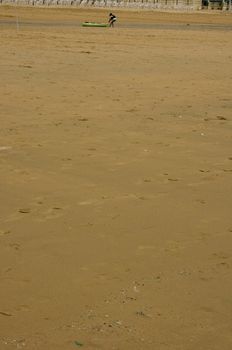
3,313
53,213
15,246
147,180
220,117
22,308
4,232
25,210
202,201
204,171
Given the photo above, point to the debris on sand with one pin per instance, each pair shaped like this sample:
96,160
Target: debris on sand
77,343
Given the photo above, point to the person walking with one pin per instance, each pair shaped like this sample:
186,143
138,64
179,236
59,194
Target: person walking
112,19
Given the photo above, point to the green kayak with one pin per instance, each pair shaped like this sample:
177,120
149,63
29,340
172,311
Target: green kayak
92,24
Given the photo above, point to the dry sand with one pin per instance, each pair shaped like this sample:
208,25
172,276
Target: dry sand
116,165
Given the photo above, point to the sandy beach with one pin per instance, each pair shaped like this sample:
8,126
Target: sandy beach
115,180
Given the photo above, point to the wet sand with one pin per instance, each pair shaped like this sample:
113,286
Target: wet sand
116,165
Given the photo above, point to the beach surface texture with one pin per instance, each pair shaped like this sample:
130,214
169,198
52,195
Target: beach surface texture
115,181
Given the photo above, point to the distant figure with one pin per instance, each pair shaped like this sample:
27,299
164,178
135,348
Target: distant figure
112,19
